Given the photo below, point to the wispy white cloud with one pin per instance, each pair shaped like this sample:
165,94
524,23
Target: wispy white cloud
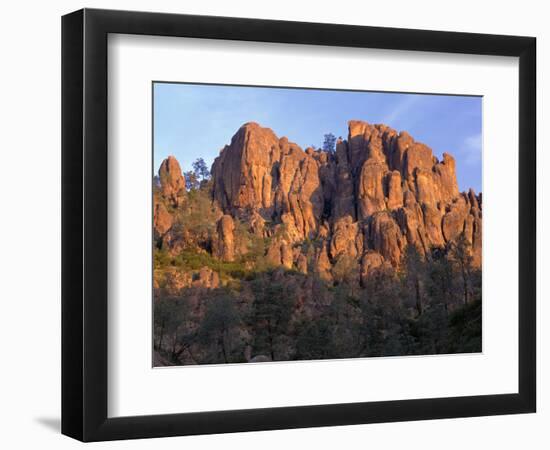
401,109
471,149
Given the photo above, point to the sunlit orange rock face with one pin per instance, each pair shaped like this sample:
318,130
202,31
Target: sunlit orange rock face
224,244
379,192
258,172
172,182
162,220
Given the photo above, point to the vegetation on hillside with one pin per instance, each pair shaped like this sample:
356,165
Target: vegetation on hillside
285,315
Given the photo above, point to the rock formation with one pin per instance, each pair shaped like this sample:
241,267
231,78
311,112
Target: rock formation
225,239
176,280
380,192
172,182
272,177
162,220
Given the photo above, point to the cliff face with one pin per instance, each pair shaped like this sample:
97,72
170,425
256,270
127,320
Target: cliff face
378,193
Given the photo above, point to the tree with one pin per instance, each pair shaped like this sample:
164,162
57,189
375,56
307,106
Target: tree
414,277
384,329
219,329
329,143
345,319
346,270
201,170
465,328
156,182
460,252
314,339
270,316
191,180
197,176
441,282
170,314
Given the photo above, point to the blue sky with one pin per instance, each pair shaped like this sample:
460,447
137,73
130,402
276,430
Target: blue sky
192,121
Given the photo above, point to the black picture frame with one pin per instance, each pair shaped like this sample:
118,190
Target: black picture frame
84,224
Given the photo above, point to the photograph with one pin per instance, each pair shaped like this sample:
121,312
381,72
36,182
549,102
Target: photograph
311,224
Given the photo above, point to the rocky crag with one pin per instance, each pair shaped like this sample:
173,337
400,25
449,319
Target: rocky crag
363,204
281,253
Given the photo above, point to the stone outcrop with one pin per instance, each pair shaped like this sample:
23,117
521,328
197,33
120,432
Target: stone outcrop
280,254
207,278
379,192
225,240
322,265
346,238
176,280
162,220
273,177
370,262
172,182
386,237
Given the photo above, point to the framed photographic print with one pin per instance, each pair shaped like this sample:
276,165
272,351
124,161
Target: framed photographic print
274,224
